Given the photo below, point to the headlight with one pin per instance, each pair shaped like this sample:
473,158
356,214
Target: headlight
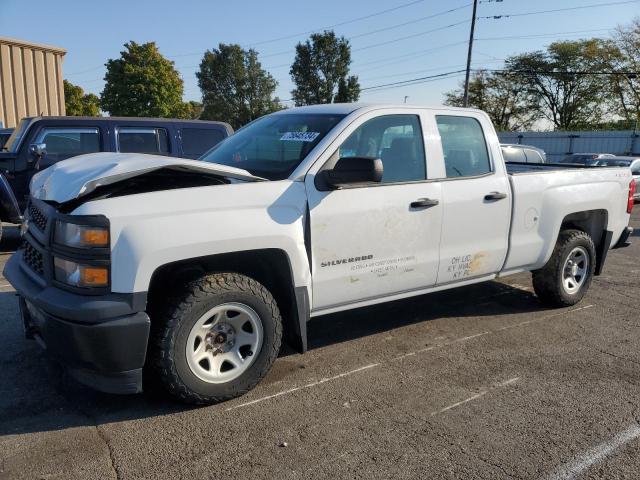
78,275
82,236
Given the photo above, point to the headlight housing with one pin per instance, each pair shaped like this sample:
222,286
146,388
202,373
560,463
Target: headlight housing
80,275
81,236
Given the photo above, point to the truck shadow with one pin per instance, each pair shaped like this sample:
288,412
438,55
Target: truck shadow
36,395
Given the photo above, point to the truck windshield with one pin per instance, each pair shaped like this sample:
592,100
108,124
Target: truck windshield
273,146
13,142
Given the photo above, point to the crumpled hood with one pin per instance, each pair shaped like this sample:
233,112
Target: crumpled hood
81,175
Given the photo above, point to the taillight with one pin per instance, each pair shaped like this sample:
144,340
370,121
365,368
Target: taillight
632,191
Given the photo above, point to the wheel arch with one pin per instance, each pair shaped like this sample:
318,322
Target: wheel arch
271,267
594,223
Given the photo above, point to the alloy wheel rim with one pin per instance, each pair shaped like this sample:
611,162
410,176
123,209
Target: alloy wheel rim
224,342
574,272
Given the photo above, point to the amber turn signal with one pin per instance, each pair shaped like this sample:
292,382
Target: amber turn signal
94,276
98,237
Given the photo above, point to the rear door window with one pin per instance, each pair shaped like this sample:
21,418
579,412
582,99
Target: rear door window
464,147
143,140
196,141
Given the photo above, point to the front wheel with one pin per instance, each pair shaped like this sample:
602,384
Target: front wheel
566,277
217,340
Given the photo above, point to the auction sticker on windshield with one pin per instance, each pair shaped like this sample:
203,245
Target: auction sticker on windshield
300,136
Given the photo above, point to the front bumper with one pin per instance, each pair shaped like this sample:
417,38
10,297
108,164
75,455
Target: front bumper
102,339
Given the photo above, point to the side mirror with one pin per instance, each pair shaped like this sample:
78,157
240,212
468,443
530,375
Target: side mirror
354,170
38,150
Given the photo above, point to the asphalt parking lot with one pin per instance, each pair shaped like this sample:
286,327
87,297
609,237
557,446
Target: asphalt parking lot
480,382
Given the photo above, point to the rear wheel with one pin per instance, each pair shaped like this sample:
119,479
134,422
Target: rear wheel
566,277
217,340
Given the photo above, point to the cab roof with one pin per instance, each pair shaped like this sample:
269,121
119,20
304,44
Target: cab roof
347,108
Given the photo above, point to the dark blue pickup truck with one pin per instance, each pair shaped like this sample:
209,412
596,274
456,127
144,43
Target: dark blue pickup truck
39,142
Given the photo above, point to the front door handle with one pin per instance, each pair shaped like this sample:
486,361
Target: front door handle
495,196
424,203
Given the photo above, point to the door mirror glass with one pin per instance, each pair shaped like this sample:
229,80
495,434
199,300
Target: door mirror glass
38,150
354,170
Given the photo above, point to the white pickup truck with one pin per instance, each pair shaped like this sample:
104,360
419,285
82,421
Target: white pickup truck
193,271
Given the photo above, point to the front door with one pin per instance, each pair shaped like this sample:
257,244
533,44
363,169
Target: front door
377,240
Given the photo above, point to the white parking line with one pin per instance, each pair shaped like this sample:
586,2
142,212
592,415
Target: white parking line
403,356
546,317
583,462
309,385
476,396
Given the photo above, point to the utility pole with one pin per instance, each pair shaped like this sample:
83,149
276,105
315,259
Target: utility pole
466,80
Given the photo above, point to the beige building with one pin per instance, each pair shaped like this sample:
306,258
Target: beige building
30,80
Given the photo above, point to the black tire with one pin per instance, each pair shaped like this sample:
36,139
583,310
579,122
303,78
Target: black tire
548,281
171,328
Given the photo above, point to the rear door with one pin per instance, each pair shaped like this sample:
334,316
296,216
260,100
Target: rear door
476,196
376,240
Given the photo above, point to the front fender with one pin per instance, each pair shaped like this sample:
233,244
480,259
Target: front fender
9,209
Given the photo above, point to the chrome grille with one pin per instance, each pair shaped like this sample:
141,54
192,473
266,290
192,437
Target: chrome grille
33,258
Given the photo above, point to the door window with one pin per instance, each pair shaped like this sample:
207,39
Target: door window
196,141
68,142
143,140
464,146
396,140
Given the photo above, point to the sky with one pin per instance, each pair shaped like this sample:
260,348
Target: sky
391,41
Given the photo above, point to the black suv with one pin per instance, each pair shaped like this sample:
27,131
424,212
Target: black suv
39,142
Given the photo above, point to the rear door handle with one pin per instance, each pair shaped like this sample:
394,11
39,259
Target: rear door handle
424,203
495,196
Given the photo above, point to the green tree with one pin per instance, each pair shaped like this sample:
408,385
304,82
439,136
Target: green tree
624,56
78,103
500,96
320,71
235,88
558,82
191,110
142,83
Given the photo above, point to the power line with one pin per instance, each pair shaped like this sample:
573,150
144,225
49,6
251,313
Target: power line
418,80
594,5
410,22
346,22
410,36
262,42
496,60
411,81
543,35
366,47
565,72
426,80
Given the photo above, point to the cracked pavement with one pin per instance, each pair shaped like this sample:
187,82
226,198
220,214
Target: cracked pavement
438,398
